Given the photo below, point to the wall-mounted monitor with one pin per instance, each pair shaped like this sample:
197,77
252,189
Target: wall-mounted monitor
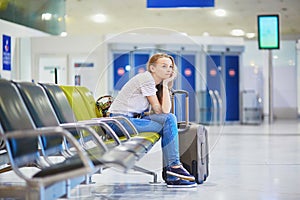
268,31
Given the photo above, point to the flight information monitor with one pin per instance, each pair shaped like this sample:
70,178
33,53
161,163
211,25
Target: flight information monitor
268,31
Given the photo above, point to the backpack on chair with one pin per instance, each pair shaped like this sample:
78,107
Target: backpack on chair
103,103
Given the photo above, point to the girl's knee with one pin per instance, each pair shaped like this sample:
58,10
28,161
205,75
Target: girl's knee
171,118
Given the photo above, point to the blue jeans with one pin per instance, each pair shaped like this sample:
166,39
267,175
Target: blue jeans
166,126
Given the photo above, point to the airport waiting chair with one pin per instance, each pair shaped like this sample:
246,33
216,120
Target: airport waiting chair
65,114
146,138
4,160
77,104
43,115
80,99
88,98
21,138
2,144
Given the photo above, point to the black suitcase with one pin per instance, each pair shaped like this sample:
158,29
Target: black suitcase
193,143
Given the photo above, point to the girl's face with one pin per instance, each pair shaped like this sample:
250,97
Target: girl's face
163,68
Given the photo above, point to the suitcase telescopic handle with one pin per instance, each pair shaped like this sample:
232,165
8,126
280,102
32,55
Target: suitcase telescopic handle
186,93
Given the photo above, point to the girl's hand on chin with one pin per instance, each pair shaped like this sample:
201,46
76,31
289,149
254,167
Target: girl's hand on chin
172,77
169,81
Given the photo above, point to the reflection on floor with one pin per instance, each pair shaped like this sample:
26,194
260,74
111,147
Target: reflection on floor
246,162
131,191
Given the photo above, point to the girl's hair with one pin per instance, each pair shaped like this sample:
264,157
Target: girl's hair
155,57
159,92
152,61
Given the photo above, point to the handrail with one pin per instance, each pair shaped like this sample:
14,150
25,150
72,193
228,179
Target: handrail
220,104
214,102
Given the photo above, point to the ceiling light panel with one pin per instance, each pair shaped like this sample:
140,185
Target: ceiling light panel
250,35
99,18
237,32
46,16
220,13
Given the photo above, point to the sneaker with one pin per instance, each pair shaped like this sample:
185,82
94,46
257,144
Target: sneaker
164,174
180,183
180,173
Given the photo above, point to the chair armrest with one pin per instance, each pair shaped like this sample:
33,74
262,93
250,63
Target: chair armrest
93,122
117,123
87,163
86,126
134,130
2,143
117,119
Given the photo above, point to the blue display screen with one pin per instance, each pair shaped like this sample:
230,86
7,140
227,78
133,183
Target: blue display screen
179,3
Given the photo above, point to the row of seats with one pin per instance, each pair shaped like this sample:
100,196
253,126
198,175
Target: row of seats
40,122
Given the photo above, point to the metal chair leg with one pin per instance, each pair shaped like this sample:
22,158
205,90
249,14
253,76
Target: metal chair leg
143,170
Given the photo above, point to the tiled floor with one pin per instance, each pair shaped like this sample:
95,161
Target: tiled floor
247,162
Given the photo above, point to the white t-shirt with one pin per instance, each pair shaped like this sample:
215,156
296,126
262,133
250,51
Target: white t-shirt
132,97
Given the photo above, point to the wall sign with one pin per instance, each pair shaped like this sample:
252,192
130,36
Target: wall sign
83,64
6,52
77,80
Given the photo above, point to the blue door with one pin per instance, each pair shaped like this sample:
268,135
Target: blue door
214,81
185,81
120,69
140,62
188,81
232,87
226,77
212,72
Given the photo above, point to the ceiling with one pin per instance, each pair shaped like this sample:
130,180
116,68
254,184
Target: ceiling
127,15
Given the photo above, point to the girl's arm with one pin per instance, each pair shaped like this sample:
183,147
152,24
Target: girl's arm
166,99
155,105
165,105
167,84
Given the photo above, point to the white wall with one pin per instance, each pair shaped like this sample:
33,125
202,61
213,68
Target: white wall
298,74
285,80
255,73
19,55
82,49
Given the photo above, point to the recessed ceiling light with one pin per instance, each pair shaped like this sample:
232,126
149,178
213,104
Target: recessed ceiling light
46,16
99,18
205,34
183,34
220,12
237,32
250,35
63,34
60,19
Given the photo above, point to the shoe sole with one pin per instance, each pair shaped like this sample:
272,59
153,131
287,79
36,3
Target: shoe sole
188,178
182,186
